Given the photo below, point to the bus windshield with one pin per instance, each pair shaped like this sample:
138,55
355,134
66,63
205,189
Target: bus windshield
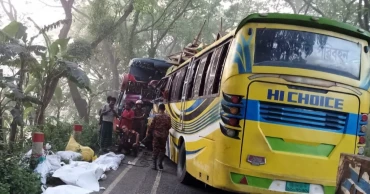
307,50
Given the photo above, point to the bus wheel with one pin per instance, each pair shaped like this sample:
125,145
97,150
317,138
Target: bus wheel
182,175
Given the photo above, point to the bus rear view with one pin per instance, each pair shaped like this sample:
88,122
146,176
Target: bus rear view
304,101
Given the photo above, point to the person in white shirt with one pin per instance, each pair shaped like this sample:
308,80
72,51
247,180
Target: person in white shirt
108,113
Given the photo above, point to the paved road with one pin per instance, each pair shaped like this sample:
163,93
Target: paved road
141,179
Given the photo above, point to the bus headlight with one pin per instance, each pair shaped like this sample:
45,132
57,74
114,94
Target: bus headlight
363,128
234,110
231,110
361,150
229,132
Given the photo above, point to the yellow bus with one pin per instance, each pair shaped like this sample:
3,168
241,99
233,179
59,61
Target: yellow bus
270,106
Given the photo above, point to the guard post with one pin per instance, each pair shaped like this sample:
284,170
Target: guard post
77,130
37,148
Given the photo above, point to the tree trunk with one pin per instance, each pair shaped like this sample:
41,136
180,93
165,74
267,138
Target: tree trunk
51,85
58,112
67,6
123,18
131,40
80,103
12,12
152,51
113,63
17,112
172,46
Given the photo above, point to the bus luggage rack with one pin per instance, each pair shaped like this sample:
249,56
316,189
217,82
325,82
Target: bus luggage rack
302,116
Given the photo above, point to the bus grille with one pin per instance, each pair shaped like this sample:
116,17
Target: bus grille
303,116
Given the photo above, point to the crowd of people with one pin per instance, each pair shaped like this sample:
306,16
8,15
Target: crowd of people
133,131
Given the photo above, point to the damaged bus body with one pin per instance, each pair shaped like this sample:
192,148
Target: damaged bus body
139,83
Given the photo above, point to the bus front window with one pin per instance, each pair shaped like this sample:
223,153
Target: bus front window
307,50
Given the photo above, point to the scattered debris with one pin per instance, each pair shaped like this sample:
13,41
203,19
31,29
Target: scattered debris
80,177
86,152
109,161
82,174
69,155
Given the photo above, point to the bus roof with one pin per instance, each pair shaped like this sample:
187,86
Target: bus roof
207,48
157,63
306,21
290,19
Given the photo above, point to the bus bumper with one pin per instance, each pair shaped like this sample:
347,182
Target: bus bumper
244,181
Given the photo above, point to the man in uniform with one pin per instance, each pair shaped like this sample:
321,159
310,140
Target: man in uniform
160,128
139,115
129,141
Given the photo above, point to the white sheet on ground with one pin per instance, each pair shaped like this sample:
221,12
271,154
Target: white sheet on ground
49,165
82,174
66,189
69,155
109,161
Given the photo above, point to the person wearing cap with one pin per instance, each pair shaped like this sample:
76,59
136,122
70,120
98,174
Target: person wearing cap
139,115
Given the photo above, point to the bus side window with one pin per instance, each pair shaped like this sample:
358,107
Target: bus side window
183,75
161,87
167,90
174,88
190,79
200,76
177,86
215,70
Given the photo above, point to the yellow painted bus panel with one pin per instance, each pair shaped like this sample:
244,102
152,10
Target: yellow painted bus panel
277,93
299,153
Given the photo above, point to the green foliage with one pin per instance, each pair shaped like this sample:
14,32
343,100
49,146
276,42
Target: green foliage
13,31
90,136
57,134
102,16
58,47
75,74
15,179
80,50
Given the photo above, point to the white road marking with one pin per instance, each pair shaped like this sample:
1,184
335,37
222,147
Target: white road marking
156,182
120,176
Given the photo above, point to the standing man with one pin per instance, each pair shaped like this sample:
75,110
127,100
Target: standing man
127,116
100,111
138,119
160,127
108,113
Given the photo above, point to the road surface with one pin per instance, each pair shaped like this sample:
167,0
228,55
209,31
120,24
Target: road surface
141,179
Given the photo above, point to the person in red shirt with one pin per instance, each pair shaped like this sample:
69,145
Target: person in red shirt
126,117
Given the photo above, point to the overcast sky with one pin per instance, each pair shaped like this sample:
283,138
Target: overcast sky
38,11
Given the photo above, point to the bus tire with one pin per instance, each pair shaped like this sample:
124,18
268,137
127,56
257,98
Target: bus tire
182,175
